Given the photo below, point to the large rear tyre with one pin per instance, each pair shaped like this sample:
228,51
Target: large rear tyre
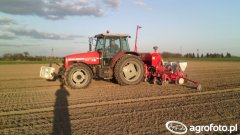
78,76
129,70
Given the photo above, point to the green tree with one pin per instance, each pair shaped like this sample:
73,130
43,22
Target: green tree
228,55
26,54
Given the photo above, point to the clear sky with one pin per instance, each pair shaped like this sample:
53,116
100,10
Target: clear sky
37,26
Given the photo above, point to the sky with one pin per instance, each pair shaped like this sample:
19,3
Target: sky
179,26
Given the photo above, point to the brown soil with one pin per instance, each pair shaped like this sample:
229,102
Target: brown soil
31,105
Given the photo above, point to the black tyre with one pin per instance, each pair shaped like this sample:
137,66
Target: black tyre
129,70
78,76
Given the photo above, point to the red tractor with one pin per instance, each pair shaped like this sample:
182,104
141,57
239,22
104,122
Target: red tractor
111,59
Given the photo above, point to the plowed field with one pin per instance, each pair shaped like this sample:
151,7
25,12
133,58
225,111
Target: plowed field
31,105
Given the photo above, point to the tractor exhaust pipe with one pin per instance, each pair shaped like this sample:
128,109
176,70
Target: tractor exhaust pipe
90,40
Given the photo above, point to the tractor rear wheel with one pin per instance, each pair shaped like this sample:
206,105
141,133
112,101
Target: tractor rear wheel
129,70
78,76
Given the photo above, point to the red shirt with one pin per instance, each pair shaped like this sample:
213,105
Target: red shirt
156,59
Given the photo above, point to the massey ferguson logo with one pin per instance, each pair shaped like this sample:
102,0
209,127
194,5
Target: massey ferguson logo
176,127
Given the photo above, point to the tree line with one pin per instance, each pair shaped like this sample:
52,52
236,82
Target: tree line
208,55
25,56
197,55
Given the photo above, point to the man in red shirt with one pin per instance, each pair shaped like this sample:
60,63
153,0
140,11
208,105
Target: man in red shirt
157,59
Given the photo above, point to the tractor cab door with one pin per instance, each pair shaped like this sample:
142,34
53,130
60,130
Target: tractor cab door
112,48
109,47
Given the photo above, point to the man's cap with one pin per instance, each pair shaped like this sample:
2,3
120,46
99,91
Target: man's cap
155,47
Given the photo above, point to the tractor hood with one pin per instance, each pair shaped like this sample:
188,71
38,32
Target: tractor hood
90,58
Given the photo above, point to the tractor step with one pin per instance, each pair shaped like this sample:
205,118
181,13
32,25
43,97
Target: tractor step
105,73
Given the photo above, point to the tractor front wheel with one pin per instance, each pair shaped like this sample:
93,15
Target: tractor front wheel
78,76
129,70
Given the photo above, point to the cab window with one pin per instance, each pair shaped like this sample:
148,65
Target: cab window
125,45
99,44
112,45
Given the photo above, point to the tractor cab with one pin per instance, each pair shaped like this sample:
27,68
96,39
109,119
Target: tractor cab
109,45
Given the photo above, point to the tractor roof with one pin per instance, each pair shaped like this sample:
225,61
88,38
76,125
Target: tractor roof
111,35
